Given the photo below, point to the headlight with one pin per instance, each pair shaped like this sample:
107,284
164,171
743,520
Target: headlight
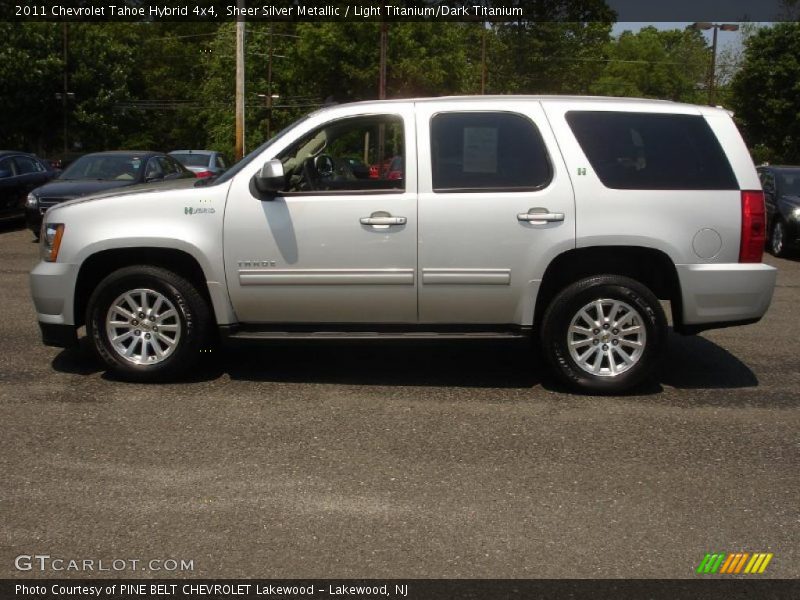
32,201
51,240
796,214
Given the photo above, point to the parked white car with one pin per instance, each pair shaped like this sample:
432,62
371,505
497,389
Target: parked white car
566,219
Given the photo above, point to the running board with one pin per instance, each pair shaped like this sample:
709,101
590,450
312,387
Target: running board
256,336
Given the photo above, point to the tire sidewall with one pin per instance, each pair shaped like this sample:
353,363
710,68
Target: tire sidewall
129,279
778,251
564,308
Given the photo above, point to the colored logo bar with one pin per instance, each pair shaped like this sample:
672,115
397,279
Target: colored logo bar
735,563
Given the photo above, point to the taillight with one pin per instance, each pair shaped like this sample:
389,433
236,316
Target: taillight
201,174
754,227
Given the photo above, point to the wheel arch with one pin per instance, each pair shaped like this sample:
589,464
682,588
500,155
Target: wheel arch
649,266
100,264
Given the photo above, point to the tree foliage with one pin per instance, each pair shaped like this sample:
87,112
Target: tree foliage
670,64
766,93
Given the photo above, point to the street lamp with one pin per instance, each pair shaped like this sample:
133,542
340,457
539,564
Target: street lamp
704,25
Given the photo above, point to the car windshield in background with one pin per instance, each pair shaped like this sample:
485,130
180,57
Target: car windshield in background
106,167
193,160
790,182
228,175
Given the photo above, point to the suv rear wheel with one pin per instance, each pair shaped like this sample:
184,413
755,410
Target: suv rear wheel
777,239
147,323
604,334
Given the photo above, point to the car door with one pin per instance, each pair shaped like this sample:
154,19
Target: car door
9,186
333,247
495,206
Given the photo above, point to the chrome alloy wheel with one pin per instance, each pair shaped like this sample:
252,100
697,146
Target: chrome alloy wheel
143,326
606,337
777,238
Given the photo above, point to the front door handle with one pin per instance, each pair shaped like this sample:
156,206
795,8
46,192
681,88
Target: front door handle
539,216
382,220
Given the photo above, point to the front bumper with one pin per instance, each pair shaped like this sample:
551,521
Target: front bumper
53,291
722,295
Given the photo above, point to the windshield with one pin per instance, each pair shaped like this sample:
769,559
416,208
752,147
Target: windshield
193,160
790,182
230,173
106,167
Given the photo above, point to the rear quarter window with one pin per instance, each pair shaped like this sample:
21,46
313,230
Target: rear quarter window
652,151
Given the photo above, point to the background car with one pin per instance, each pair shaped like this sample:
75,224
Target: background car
100,172
203,163
19,174
359,168
782,199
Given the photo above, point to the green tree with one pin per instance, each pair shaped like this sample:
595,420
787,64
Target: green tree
318,62
766,93
672,65
554,52
30,76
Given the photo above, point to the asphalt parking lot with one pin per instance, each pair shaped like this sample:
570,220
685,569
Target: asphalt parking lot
400,461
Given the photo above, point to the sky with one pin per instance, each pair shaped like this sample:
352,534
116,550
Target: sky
724,38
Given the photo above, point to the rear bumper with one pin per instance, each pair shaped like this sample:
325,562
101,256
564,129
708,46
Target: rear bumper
722,295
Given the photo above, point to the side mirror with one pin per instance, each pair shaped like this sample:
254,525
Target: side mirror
270,180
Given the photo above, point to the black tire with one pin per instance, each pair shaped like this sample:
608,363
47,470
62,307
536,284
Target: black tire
778,238
193,314
568,303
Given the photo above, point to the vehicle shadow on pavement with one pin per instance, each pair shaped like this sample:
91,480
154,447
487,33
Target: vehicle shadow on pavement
467,364
694,362
690,362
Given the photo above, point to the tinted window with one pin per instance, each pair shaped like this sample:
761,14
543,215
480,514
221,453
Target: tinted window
487,151
790,182
647,151
193,160
153,170
7,168
328,158
26,164
118,167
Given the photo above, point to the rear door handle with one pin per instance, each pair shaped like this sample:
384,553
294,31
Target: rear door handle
382,220
540,215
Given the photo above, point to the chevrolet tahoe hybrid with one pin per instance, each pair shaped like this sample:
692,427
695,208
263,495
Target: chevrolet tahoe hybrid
562,219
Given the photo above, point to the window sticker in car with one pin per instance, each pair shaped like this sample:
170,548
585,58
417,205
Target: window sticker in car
480,150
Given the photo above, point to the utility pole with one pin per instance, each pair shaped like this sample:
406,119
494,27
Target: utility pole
239,150
64,97
383,44
269,85
712,75
483,58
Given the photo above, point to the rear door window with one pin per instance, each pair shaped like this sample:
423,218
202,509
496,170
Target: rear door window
652,151
487,151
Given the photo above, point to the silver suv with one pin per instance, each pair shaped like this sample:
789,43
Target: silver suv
562,219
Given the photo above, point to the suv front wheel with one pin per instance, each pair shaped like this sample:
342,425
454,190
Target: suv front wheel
604,334
147,323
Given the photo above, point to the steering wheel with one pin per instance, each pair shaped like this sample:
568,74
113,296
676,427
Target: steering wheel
310,180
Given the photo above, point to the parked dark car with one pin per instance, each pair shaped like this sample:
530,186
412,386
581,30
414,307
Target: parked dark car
203,163
782,198
19,174
100,172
